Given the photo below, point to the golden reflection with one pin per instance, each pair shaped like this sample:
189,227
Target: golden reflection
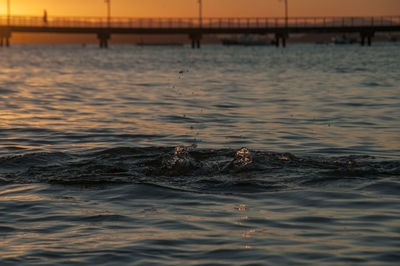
249,233
241,207
5,194
17,189
22,198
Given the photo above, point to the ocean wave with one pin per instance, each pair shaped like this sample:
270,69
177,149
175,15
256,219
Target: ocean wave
194,169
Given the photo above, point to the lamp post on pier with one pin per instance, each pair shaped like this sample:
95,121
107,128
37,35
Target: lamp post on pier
196,35
284,34
8,13
6,33
200,13
104,35
108,2
286,15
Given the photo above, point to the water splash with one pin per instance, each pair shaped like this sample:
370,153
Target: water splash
243,157
180,161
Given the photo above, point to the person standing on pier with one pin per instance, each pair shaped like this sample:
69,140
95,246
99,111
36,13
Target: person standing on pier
45,16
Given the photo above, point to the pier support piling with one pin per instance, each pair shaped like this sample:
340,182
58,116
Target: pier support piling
196,39
368,36
281,36
103,39
195,44
5,38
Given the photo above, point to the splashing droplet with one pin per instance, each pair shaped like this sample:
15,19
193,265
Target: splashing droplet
243,157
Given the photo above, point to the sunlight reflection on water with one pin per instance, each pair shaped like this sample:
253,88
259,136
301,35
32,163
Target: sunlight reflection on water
216,97
169,156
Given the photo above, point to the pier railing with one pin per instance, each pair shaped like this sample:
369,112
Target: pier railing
212,23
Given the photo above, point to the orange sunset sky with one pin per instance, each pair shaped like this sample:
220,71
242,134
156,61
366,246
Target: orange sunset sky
211,8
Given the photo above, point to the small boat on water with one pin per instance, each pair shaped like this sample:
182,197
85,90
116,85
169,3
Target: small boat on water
245,40
343,40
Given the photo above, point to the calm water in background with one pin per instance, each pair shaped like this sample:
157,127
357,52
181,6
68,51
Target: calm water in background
168,155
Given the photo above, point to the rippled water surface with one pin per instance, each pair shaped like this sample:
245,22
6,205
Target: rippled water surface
218,156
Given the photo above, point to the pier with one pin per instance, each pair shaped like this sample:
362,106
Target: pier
195,28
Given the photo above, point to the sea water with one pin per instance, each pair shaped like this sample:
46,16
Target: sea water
213,156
